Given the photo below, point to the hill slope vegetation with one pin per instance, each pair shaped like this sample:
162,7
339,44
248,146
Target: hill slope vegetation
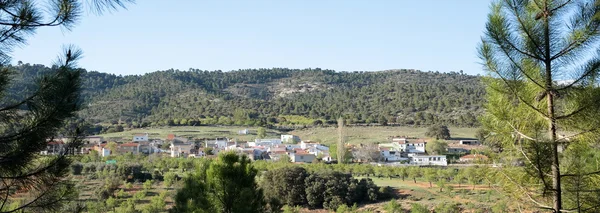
272,96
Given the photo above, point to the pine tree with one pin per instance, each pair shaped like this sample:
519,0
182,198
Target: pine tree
27,124
543,74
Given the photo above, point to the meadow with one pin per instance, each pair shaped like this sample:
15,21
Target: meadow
326,135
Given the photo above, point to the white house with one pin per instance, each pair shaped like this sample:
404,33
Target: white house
391,156
104,152
290,139
182,149
302,157
217,143
140,137
414,147
436,160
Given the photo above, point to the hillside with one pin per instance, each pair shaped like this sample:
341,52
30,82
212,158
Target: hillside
276,96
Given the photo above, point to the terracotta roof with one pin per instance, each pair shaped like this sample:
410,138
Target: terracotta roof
129,144
170,136
55,142
384,148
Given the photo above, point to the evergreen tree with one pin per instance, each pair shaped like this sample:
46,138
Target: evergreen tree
529,48
226,185
27,124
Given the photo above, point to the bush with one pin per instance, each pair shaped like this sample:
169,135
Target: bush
393,206
418,208
386,192
447,208
76,168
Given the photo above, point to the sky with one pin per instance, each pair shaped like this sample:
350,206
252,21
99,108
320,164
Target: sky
343,35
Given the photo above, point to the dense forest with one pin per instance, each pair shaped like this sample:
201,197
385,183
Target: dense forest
277,96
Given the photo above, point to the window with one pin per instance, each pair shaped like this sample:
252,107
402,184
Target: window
301,157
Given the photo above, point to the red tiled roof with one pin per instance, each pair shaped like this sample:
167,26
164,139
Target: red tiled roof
170,136
129,144
55,142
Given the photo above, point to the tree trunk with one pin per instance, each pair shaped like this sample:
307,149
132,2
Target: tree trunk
415,179
551,117
430,184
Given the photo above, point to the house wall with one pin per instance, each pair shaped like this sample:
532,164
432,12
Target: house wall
302,158
438,160
137,138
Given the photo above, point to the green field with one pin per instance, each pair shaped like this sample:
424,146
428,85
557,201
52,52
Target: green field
327,135
356,135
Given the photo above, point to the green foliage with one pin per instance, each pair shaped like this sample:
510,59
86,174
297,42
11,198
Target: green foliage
157,204
261,132
436,147
446,207
76,169
438,131
393,206
224,185
169,179
418,208
319,97
286,184
529,49
289,209
147,185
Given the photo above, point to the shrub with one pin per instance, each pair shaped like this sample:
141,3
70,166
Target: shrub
76,168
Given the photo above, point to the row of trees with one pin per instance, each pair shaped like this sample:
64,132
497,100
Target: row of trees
295,186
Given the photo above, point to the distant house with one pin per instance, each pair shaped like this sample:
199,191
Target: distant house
182,149
303,157
435,160
130,147
140,137
290,139
469,142
93,140
456,150
391,156
243,132
473,158
217,143
54,147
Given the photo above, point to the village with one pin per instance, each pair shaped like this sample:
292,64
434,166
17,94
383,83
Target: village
398,151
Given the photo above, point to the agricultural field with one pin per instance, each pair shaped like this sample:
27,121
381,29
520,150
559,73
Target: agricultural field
326,135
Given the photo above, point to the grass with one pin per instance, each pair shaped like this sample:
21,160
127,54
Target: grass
356,135
469,200
327,135
193,132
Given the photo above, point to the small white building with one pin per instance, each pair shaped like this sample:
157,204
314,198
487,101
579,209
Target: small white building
434,160
217,143
104,152
290,139
140,137
302,157
391,156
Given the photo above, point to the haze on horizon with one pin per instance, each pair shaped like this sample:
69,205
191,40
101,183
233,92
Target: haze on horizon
343,35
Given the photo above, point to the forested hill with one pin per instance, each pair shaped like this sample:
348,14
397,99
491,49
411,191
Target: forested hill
275,96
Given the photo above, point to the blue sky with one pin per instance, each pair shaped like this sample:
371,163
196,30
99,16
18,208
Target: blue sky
344,35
